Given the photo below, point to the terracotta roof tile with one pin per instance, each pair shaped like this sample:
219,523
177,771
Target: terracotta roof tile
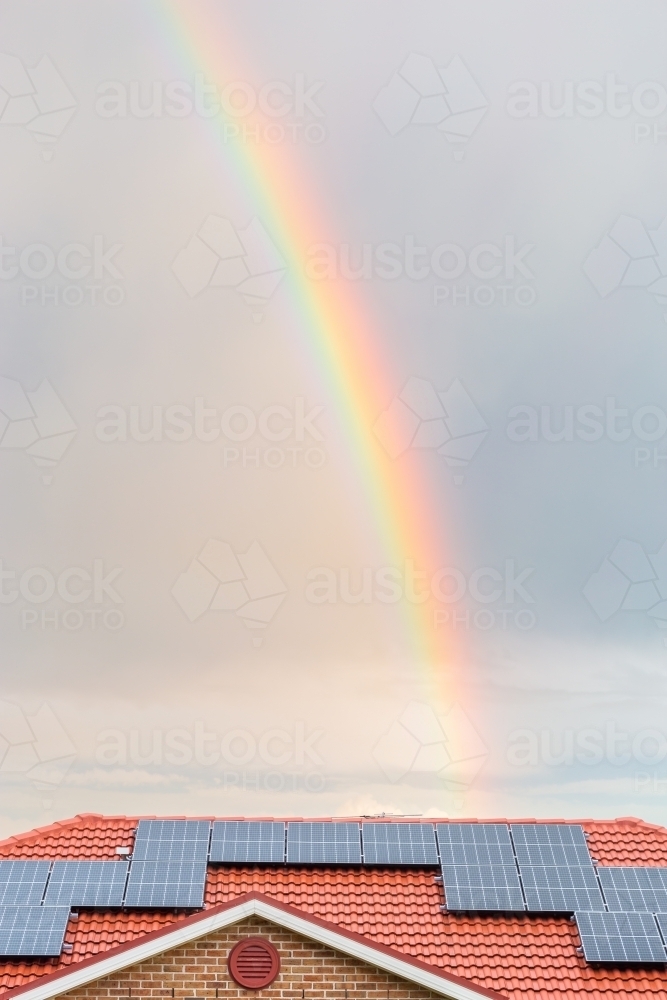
518,956
83,837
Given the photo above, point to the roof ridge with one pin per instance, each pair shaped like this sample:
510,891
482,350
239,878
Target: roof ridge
98,819
59,824
628,820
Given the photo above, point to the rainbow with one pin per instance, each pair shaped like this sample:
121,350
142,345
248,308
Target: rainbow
340,338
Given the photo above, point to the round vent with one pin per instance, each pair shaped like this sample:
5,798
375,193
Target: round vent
254,963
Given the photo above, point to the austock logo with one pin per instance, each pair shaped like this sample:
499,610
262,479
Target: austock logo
419,746
630,256
89,595
446,422
457,600
219,580
589,99
421,93
35,747
35,422
220,256
37,98
274,112
270,427
590,746
629,579
490,272
87,270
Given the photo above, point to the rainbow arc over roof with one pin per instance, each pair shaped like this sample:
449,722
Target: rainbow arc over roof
335,329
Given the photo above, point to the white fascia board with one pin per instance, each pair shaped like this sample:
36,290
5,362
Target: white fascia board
253,907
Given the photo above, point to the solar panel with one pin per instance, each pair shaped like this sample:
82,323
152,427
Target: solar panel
23,882
157,884
550,844
661,919
399,844
87,883
475,844
171,840
232,841
620,938
482,887
323,843
561,889
635,889
36,931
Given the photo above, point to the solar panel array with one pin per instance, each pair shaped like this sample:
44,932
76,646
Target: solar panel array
621,938
32,931
475,844
482,887
166,884
635,889
621,912
547,868
247,842
23,882
478,867
399,844
550,844
561,889
556,869
87,883
171,840
323,843
529,866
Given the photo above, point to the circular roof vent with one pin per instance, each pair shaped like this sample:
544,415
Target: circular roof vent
254,963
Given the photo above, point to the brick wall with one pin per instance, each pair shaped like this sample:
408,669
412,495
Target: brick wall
307,969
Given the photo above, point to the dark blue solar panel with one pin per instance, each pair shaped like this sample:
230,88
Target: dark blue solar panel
248,842
620,938
475,844
160,884
635,889
561,889
87,883
399,844
171,840
323,843
482,887
36,931
550,844
23,882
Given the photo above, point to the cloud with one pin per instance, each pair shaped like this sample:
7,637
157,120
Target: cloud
116,777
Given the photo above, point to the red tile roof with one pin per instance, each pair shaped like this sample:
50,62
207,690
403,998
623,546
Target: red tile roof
518,956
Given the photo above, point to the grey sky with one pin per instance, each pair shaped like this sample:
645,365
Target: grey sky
325,709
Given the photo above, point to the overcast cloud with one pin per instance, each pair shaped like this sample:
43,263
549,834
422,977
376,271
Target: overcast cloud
490,186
